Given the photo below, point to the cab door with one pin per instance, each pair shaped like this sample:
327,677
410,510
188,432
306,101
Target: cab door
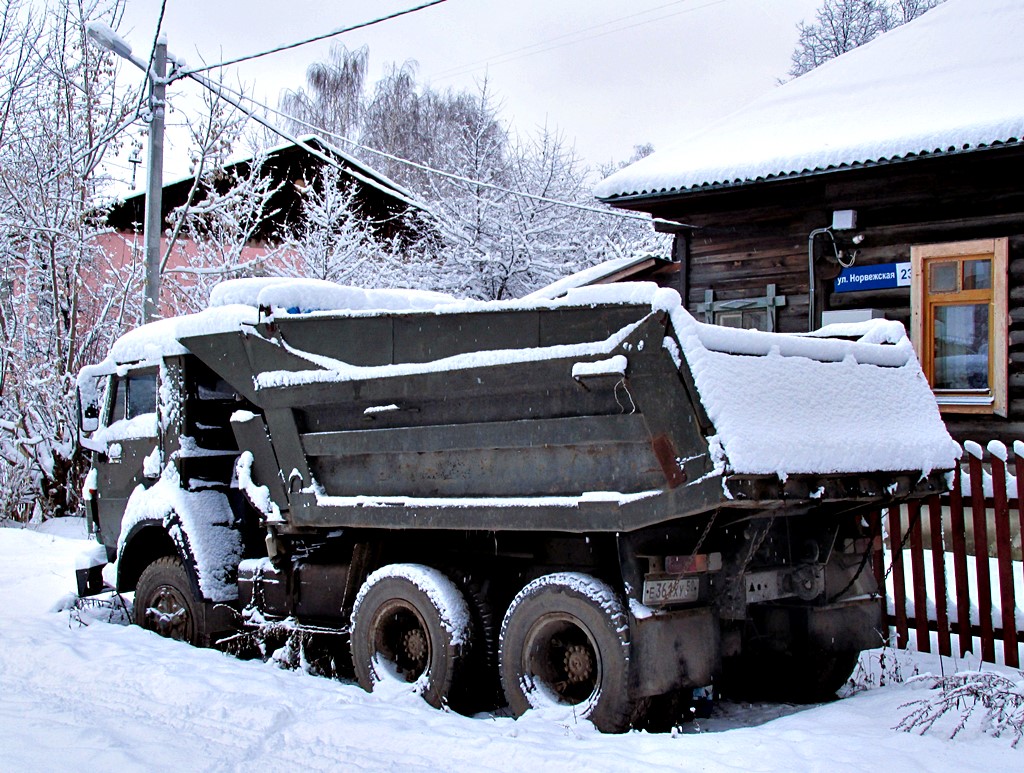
128,435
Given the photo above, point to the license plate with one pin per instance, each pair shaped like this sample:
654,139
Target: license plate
674,591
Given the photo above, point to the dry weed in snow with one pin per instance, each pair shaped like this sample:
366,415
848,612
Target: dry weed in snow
1000,699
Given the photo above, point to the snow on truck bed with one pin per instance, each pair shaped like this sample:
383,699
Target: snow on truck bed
780,404
793,404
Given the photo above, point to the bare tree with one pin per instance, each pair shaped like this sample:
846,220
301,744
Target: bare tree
217,235
493,204
908,10
536,228
335,94
843,25
61,299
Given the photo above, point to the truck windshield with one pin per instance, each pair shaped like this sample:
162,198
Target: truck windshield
134,395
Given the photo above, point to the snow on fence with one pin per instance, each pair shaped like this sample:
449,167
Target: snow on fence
952,559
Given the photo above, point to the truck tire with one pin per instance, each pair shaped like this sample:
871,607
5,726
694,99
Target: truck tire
482,689
411,623
565,641
164,601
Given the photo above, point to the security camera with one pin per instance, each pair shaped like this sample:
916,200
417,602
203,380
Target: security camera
858,239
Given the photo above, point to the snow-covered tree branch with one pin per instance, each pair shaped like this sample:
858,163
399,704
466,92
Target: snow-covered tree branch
492,239
843,25
59,110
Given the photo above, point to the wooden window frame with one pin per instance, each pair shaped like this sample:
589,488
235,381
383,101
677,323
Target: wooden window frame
998,250
770,302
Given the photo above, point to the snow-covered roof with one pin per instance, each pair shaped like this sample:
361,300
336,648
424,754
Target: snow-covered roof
951,81
355,168
602,272
319,148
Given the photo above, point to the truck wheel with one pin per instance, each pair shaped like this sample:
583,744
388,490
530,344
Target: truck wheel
410,622
164,602
481,688
565,641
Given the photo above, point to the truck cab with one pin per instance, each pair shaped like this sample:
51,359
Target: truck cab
159,492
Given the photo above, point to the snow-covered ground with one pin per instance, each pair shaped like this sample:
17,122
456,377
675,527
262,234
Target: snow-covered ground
108,697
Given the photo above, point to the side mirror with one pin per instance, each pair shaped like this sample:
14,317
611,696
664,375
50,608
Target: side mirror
88,413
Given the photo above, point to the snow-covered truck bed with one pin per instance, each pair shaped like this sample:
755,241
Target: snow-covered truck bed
646,503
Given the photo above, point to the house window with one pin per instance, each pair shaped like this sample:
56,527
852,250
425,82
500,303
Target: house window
747,313
959,320
752,319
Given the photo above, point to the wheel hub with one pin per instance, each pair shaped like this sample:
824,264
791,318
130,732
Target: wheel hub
579,663
415,644
166,614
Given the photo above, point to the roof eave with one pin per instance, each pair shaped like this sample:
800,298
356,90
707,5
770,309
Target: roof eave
638,200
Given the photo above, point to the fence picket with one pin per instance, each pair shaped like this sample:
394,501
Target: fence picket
981,564
938,548
899,588
963,592
917,577
1004,559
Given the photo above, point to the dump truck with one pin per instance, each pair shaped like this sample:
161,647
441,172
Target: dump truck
592,500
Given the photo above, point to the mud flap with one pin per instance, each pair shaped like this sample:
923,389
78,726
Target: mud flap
216,623
89,570
672,650
851,625
90,580
844,627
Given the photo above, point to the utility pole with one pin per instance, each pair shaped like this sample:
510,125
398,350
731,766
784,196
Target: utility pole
106,38
155,180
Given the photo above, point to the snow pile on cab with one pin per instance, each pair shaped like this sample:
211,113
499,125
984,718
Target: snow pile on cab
153,341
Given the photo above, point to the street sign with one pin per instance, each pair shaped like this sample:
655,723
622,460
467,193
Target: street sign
877,277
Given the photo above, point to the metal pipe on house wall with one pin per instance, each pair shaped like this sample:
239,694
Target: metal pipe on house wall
810,275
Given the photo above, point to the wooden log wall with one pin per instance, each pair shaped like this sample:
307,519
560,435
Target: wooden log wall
746,238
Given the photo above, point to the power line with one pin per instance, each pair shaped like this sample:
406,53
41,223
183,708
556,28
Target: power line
536,48
331,34
156,34
416,165
219,91
193,73
574,33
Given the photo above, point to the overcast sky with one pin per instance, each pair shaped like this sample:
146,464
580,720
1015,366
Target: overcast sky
610,74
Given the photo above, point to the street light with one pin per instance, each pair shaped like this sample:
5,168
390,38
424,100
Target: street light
106,38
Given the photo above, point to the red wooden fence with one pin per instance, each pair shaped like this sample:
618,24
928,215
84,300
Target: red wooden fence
996,596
